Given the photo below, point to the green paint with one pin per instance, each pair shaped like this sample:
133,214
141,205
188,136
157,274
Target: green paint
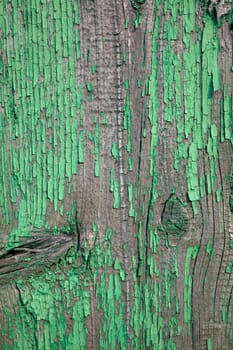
88,55
219,195
115,188
226,116
130,194
188,286
138,20
128,117
38,171
124,57
130,164
89,89
209,344
97,150
139,83
42,141
192,173
229,267
115,151
210,248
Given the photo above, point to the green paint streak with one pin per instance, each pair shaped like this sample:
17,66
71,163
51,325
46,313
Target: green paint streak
115,151
130,164
210,70
89,89
229,267
188,286
115,188
192,173
209,344
226,116
210,248
97,150
128,117
130,194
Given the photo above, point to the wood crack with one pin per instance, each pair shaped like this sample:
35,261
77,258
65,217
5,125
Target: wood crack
33,254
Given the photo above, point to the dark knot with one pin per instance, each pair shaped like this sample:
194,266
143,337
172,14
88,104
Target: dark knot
136,4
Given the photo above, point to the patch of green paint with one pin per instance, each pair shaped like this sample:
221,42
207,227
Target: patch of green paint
128,120
89,89
94,68
10,332
188,9
115,151
154,241
40,99
181,152
170,31
124,57
137,20
188,286
224,313
130,194
130,164
97,149
126,22
192,173
117,266
103,120
126,84
229,267
226,116
88,55
210,68
139,83
218,195
210,248
115,188
209,344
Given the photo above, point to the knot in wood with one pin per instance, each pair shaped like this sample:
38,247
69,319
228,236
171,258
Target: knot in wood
174,217
33,254
136,4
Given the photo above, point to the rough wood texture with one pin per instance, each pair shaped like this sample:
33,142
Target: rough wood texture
116,189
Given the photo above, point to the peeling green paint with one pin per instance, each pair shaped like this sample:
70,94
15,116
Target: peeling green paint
114,187
29,120
89,89
130,193
188,286
42,130
97,149
209,344
128,117
115,151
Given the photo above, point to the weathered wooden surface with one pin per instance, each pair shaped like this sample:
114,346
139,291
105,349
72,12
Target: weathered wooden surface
116,184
